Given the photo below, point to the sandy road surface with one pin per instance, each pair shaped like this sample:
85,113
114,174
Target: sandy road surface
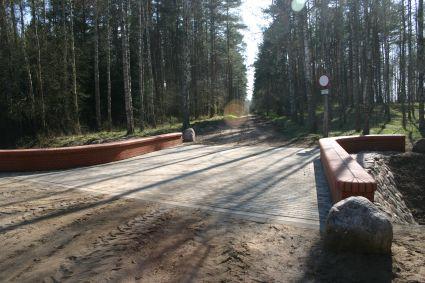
52,233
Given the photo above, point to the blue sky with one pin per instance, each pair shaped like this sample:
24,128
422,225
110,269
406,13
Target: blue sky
255,21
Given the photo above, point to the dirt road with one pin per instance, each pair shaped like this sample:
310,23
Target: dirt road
56,234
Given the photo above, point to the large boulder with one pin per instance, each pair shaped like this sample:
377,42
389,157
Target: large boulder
189,135
419,146
356,225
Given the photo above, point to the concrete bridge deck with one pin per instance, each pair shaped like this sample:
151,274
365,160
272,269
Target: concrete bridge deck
259,182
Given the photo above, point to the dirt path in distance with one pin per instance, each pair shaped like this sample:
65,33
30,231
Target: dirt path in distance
246,131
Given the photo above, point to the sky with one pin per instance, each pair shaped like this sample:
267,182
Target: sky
254,19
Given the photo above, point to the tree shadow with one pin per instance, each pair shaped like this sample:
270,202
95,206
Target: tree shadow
170,241
128,192
323,265
324,198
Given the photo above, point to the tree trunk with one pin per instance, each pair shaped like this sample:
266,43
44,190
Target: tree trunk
151,98
421,66
140,57
185,63
157,64
125,5
4,27
356,63
65,75
387,82
308,77
39,70
410,71
96,67
213,77
27,63
289,24
367,71
229,61
402,93
74,74
14,25
108,65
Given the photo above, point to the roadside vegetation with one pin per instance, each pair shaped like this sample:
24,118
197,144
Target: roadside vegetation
117,134
72,67
378,125
286,128
371,51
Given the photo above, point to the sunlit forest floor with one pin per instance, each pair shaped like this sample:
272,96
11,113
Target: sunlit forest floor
115,134
378,125
284,129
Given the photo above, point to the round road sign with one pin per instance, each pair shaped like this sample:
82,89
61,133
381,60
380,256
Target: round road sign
324,81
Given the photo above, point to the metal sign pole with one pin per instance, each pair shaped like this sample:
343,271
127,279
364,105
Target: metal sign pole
326,115
324,82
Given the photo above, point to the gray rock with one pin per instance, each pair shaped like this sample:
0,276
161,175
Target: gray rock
356,225
419,146
189,135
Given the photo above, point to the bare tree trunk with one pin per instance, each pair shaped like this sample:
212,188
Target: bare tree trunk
387,82
108,65
125,5
150,96
4,26
289,23
367,71
74,74
13,18
229,60
308,77
356,63
195,59
421,65
340,63
40,74
402,94
158,64
213,73
141,70
410,71
27,63
65,74
96,67
185,65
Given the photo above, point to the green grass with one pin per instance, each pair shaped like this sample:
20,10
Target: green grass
378,125
291,130
113,135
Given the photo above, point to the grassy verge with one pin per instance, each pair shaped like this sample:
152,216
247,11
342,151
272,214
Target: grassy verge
113,135
290,130
378,125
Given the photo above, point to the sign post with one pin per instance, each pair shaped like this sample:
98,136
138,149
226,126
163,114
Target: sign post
324,83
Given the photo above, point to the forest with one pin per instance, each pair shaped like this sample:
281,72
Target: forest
372,50
74,66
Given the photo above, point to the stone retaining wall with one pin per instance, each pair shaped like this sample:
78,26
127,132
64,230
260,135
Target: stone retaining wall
387,197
